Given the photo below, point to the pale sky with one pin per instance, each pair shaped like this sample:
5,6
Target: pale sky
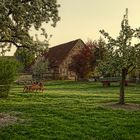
84,18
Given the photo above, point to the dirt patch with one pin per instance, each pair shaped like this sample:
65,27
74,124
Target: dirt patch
7,119
127,106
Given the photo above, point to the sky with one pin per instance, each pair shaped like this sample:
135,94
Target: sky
84,18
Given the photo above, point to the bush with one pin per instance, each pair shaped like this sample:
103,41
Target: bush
8,71
4,90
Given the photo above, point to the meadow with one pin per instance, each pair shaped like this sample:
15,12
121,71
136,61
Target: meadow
69,110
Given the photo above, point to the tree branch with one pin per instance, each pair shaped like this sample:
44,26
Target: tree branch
14,43
131,69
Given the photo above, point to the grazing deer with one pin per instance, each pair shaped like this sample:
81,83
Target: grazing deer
34,87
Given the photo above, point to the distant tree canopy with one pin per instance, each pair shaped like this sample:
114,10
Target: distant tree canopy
122,54
18,16
81,63
40,68
86,60
98,55
25,57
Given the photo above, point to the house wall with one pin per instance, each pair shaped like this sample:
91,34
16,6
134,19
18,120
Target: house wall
64,67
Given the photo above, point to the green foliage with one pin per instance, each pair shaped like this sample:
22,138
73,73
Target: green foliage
4,90
8,71
25,57
121,53
99,50
99,53
18,16
40,68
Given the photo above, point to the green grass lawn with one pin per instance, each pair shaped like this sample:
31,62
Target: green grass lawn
71,111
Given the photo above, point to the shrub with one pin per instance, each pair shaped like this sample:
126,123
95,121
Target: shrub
8,71
4,90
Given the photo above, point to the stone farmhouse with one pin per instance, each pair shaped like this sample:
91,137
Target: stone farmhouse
59,58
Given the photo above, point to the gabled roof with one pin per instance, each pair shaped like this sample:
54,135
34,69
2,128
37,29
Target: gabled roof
58,53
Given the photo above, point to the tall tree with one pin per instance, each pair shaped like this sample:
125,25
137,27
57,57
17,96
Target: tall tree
18,16
122,55
98,55
99,49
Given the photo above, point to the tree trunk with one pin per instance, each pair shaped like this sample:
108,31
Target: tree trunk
122,87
